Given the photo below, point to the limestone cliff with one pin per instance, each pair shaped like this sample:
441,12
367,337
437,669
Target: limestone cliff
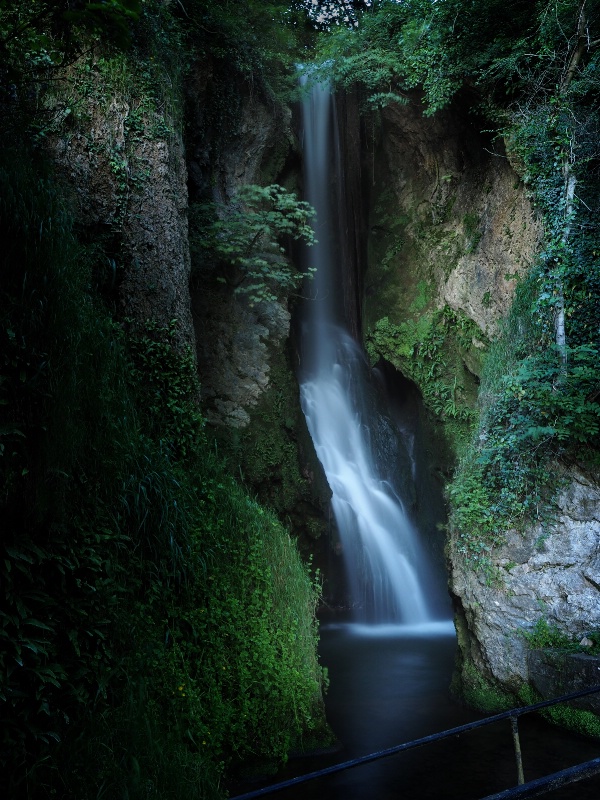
551,571
447,209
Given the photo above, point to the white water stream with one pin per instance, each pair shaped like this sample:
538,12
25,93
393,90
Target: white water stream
387,568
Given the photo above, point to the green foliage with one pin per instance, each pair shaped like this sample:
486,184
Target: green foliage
324,14
37,36
59,542
546,634
503,50
131,563
438,47
166,378
426,350
568,269
534,409
250,42
243,239
237,671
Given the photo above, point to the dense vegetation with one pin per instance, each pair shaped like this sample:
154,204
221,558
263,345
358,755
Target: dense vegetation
157,626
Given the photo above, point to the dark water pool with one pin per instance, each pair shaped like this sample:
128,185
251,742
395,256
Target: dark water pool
388,688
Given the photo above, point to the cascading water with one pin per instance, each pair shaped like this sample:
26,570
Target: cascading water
386,566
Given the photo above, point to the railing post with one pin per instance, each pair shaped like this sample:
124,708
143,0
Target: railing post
517,744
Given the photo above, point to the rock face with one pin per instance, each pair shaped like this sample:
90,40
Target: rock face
127,174
245,359
235,339
550,572
118,145
448,210
234,342
451,225
554,672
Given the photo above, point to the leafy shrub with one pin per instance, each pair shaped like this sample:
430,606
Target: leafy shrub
546,634
243,239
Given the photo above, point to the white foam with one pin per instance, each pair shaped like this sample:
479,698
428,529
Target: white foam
390,631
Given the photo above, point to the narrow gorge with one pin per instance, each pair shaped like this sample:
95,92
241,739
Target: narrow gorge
299,390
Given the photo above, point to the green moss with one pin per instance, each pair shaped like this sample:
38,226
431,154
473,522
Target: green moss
427,349
473,233
275,458
482,694
488,697
573,719
398,270
410,249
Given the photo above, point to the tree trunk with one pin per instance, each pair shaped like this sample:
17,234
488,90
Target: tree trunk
559,313
578,50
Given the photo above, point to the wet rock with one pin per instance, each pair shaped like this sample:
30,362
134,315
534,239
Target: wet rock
554,673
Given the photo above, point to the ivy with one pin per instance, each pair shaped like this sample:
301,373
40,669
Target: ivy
542,410
37,37
166,378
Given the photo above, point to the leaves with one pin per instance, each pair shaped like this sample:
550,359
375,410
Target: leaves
244,239
38,36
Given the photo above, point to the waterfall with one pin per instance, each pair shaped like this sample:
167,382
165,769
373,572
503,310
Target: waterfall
387,568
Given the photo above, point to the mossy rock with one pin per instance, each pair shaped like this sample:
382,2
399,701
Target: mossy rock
275,458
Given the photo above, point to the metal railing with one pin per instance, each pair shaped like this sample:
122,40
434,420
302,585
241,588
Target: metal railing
522,790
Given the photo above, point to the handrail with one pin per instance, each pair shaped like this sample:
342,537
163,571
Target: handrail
549,782
513,713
